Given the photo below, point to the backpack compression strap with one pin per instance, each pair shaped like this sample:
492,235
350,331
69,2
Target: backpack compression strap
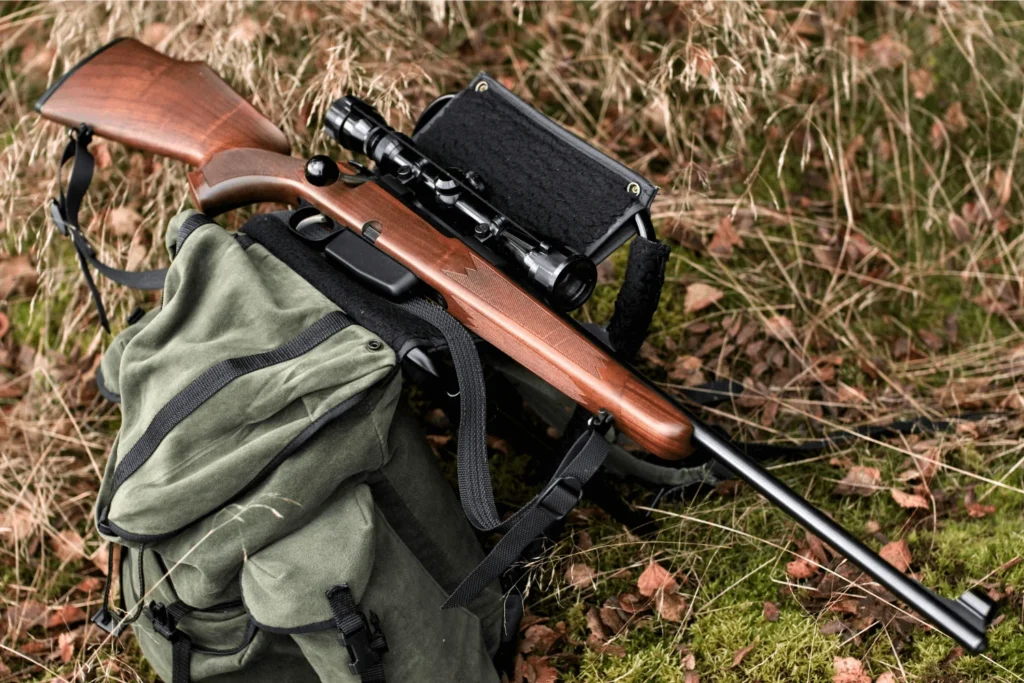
64,211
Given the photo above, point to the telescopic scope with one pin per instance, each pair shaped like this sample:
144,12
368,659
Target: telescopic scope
566,279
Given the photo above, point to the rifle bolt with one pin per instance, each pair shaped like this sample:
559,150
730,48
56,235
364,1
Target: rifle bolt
322,171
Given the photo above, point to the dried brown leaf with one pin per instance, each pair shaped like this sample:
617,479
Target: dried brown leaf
68,545
124,221
595,625
538,638
909,500
64,616
612,618
923,83
955,119
101,154
725,238
656,578
780,327
961,230
579,575
850,395
670,606
17,275
801,568
598,645
859,481
687,369
849,670
66,646
538,670
978,510
738,656
897,554
887,52
699,296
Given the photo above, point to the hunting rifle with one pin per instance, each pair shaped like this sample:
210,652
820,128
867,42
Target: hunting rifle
131,94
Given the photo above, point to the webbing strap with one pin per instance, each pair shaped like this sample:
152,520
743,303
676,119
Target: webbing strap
556,501
213,380
475,490
64,211
363,639
181,658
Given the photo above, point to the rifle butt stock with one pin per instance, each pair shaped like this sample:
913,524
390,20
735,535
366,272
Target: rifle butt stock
130,93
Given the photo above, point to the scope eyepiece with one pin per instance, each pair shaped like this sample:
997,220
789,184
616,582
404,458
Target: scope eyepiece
565,278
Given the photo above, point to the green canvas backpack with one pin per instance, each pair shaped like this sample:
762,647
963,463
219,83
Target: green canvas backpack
280,516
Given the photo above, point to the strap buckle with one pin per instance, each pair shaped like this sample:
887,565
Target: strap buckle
365,645
164,622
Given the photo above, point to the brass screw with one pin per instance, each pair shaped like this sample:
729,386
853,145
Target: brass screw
633,189
482,86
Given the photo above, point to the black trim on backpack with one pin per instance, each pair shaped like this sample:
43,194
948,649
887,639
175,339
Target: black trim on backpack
105,392
311,430
189,226
212,381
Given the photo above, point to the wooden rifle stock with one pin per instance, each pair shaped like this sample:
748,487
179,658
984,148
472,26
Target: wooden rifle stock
130,93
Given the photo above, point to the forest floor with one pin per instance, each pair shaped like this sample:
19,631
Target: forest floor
839,185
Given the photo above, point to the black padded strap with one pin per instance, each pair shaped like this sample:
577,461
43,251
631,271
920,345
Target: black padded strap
64,211
362,638
639,296
213,380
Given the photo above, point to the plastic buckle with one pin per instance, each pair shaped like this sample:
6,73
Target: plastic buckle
362,652
163,622
565,485
107,622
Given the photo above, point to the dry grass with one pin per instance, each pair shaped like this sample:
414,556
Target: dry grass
867,155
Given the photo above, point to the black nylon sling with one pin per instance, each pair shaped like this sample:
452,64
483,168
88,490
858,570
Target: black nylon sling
558,498
64,211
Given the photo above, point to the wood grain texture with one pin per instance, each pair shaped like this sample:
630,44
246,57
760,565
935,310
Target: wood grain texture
132,94
477,294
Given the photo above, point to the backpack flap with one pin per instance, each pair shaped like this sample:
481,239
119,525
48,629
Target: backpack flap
242,365
351,548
